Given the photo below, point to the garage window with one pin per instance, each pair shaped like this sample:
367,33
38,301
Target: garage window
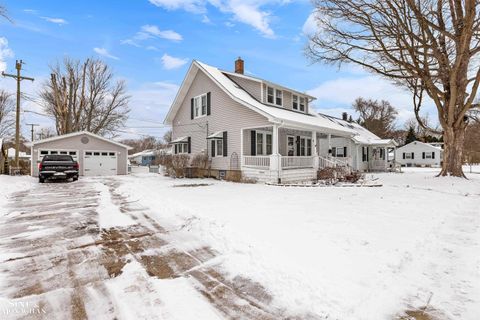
96,153
63,152
72,153
104,153
112,154
53,152
43,152
88,153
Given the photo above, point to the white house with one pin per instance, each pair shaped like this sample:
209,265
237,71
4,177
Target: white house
418,153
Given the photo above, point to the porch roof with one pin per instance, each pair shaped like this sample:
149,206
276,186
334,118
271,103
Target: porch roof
216,135
179,140
375,142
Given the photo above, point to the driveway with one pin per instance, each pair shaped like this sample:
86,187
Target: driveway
56,262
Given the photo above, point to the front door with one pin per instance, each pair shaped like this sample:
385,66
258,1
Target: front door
291,146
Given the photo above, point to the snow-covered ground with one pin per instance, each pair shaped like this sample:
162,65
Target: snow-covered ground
345,253
9,185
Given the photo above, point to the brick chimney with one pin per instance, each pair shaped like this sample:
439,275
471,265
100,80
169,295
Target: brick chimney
345,116
239,66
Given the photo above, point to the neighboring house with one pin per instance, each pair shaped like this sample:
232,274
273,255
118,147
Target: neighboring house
3,158
96,155
363,152
418,153
143,158
266,130
21,155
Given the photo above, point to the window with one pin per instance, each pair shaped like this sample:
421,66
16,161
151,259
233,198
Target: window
364,154
53,152
112,154
88,153
305,147
96,153
290,146
408,155
268,143
302,103
104,153
219,148
278,97
294,102
274,96
309,147
264,143
338,152
63,152
259,143
428,155
200,105
72,153
270,95
43,152
181,148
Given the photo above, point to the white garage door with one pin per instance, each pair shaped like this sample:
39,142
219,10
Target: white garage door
100,163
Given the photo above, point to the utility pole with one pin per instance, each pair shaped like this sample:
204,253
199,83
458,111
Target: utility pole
19,78
33,125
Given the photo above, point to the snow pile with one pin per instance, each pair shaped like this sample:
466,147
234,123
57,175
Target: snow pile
12,184
347,253
109,215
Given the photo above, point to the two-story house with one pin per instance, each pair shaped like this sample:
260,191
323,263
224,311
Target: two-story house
266,130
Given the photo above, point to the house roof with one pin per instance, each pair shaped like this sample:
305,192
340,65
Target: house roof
74,134
362,135
21,154
273,114
216,135
179,140
426,145
148,152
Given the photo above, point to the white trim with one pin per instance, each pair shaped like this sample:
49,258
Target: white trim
200,107
275,90
74,134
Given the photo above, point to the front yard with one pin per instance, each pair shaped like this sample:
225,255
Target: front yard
336,253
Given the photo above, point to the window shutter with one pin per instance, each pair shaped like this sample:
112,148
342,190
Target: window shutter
433,155
344,151
404,155
213,148
208,103
298,146
413,155
176,148
189,145
423,155
225,143
253,140
368,154
191,109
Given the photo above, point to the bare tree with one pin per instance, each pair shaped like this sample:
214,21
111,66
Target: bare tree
431,47
3,13
377,116
46,132
167,137
84,96
7,120
145,143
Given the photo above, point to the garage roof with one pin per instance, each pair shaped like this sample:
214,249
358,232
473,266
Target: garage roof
74,134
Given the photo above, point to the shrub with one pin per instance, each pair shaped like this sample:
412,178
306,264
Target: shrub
200,162
179,164
234,176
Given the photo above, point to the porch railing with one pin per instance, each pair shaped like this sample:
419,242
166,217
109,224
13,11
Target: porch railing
378,164
256,161
297,162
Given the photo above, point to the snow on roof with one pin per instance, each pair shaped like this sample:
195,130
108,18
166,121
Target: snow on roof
21,154
274,114
216,135
179,140
426,145
74,134
362,136
148,152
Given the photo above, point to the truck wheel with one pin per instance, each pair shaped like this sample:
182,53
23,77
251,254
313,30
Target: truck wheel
75,178
41,180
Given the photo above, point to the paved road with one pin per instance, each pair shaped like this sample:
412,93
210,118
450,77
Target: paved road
57,263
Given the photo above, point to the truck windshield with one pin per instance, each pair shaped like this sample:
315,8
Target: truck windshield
57,157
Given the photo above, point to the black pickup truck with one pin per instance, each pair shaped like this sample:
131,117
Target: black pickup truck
57,167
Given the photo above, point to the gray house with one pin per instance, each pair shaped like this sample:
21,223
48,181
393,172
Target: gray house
96,155
267,131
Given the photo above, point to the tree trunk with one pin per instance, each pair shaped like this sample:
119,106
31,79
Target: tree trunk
453,152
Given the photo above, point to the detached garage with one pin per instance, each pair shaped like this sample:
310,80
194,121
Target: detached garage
96,155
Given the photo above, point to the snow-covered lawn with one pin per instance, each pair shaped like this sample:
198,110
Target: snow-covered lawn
9,185
345,253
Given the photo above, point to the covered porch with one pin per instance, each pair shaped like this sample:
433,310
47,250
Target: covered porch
278,154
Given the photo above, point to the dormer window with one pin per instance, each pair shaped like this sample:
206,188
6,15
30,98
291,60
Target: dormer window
274,96
298,103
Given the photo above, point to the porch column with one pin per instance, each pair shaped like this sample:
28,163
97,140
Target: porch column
275,158
314,150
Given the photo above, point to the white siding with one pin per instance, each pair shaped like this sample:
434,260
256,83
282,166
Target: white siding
418,148
226,115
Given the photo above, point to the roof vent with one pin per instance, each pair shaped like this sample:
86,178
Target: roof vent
239,66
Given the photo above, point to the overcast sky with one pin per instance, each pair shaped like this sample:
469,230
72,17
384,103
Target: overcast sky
150,44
